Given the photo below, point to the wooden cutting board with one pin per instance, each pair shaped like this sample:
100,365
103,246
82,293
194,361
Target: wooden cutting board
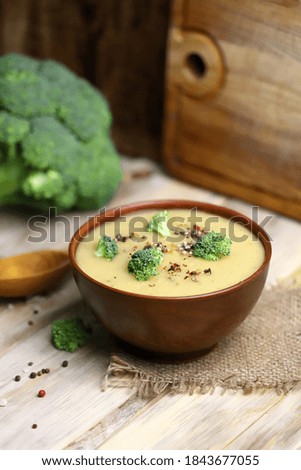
233,99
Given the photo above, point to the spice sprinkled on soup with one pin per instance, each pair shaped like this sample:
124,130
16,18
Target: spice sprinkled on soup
171,253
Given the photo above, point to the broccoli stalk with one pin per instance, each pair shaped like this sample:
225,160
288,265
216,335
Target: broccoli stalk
10,182
55,138
69,335
143,263
158,224
212,246
106,248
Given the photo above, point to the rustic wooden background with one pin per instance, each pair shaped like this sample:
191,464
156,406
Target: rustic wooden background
233,99
119,45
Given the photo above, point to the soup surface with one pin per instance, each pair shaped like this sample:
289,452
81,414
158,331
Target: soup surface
181,273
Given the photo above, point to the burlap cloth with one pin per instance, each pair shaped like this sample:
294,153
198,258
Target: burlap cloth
264,352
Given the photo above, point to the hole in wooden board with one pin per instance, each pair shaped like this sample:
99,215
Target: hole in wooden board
196,64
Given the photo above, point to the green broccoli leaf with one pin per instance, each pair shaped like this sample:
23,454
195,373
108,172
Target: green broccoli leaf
48,144
26,94
43,185
212,246
17,62
69,335
12,129
106,248
84,114
143,263
158,224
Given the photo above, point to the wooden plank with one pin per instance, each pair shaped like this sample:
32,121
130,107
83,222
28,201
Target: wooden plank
192,422
235,128
112,423
269,25
178,12
20,319
278,428
216,120
74,395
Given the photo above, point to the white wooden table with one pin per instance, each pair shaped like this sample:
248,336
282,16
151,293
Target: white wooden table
75,413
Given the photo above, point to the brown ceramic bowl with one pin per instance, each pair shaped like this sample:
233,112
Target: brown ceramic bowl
173,328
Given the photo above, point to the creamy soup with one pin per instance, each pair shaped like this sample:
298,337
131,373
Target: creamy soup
181,273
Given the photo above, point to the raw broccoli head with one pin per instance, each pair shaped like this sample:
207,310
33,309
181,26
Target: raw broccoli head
69,334
106,248
212,246
158,224
143,263
55,146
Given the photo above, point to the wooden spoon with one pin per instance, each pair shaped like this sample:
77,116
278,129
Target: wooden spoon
32,273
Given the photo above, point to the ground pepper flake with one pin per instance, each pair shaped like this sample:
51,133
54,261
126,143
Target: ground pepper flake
65,364
30,363
175,267
30,323
34,426
17,378
192,275
33,375
120,238
147,247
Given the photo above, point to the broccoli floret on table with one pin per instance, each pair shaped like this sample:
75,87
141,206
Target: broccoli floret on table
106,248
212,246
143,263
158,224
55,145
69,335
